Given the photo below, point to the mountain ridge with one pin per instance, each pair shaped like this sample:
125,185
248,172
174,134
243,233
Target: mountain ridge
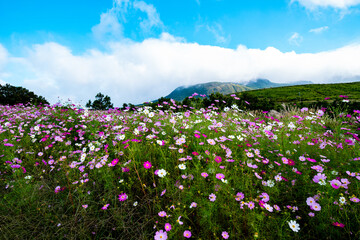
180,93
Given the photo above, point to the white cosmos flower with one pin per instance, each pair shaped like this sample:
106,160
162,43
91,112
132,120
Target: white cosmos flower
270,183
182,166
224,180
294,225
162,173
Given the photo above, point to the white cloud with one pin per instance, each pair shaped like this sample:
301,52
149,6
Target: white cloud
153,18
295,39
338,4
3,56
218,32
142,71
111,26
319,30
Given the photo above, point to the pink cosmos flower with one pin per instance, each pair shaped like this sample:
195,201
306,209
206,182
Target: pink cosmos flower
310,201
162,214
193,204
167,227
57,189
265,197
211,141
318,177
251,205
105,206
147,165
160,235
187,234
212,197
163,192
204,174
123,197
316,207
225,235
239,196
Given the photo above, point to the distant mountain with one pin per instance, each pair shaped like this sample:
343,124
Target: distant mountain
265,83
182,92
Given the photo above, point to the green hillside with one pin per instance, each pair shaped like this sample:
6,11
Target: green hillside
312,92
181,93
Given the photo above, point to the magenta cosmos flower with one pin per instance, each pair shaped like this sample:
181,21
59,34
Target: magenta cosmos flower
122,197
220,176
167,227
147,165
218,159
160,235
337,224
187,234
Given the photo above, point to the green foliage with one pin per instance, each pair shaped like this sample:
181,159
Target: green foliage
101,102
309,93
11,95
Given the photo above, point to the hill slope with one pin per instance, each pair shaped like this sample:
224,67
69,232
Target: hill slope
312,92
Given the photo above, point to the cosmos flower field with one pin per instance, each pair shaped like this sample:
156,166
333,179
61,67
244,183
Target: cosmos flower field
69,173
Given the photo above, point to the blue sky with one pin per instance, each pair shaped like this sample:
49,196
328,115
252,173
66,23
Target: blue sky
56,47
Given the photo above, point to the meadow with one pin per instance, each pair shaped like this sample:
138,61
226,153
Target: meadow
70,173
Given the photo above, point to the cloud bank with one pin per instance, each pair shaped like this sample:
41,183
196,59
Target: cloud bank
338,4
142,71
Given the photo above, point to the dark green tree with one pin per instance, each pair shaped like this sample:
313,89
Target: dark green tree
101,102
11,95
